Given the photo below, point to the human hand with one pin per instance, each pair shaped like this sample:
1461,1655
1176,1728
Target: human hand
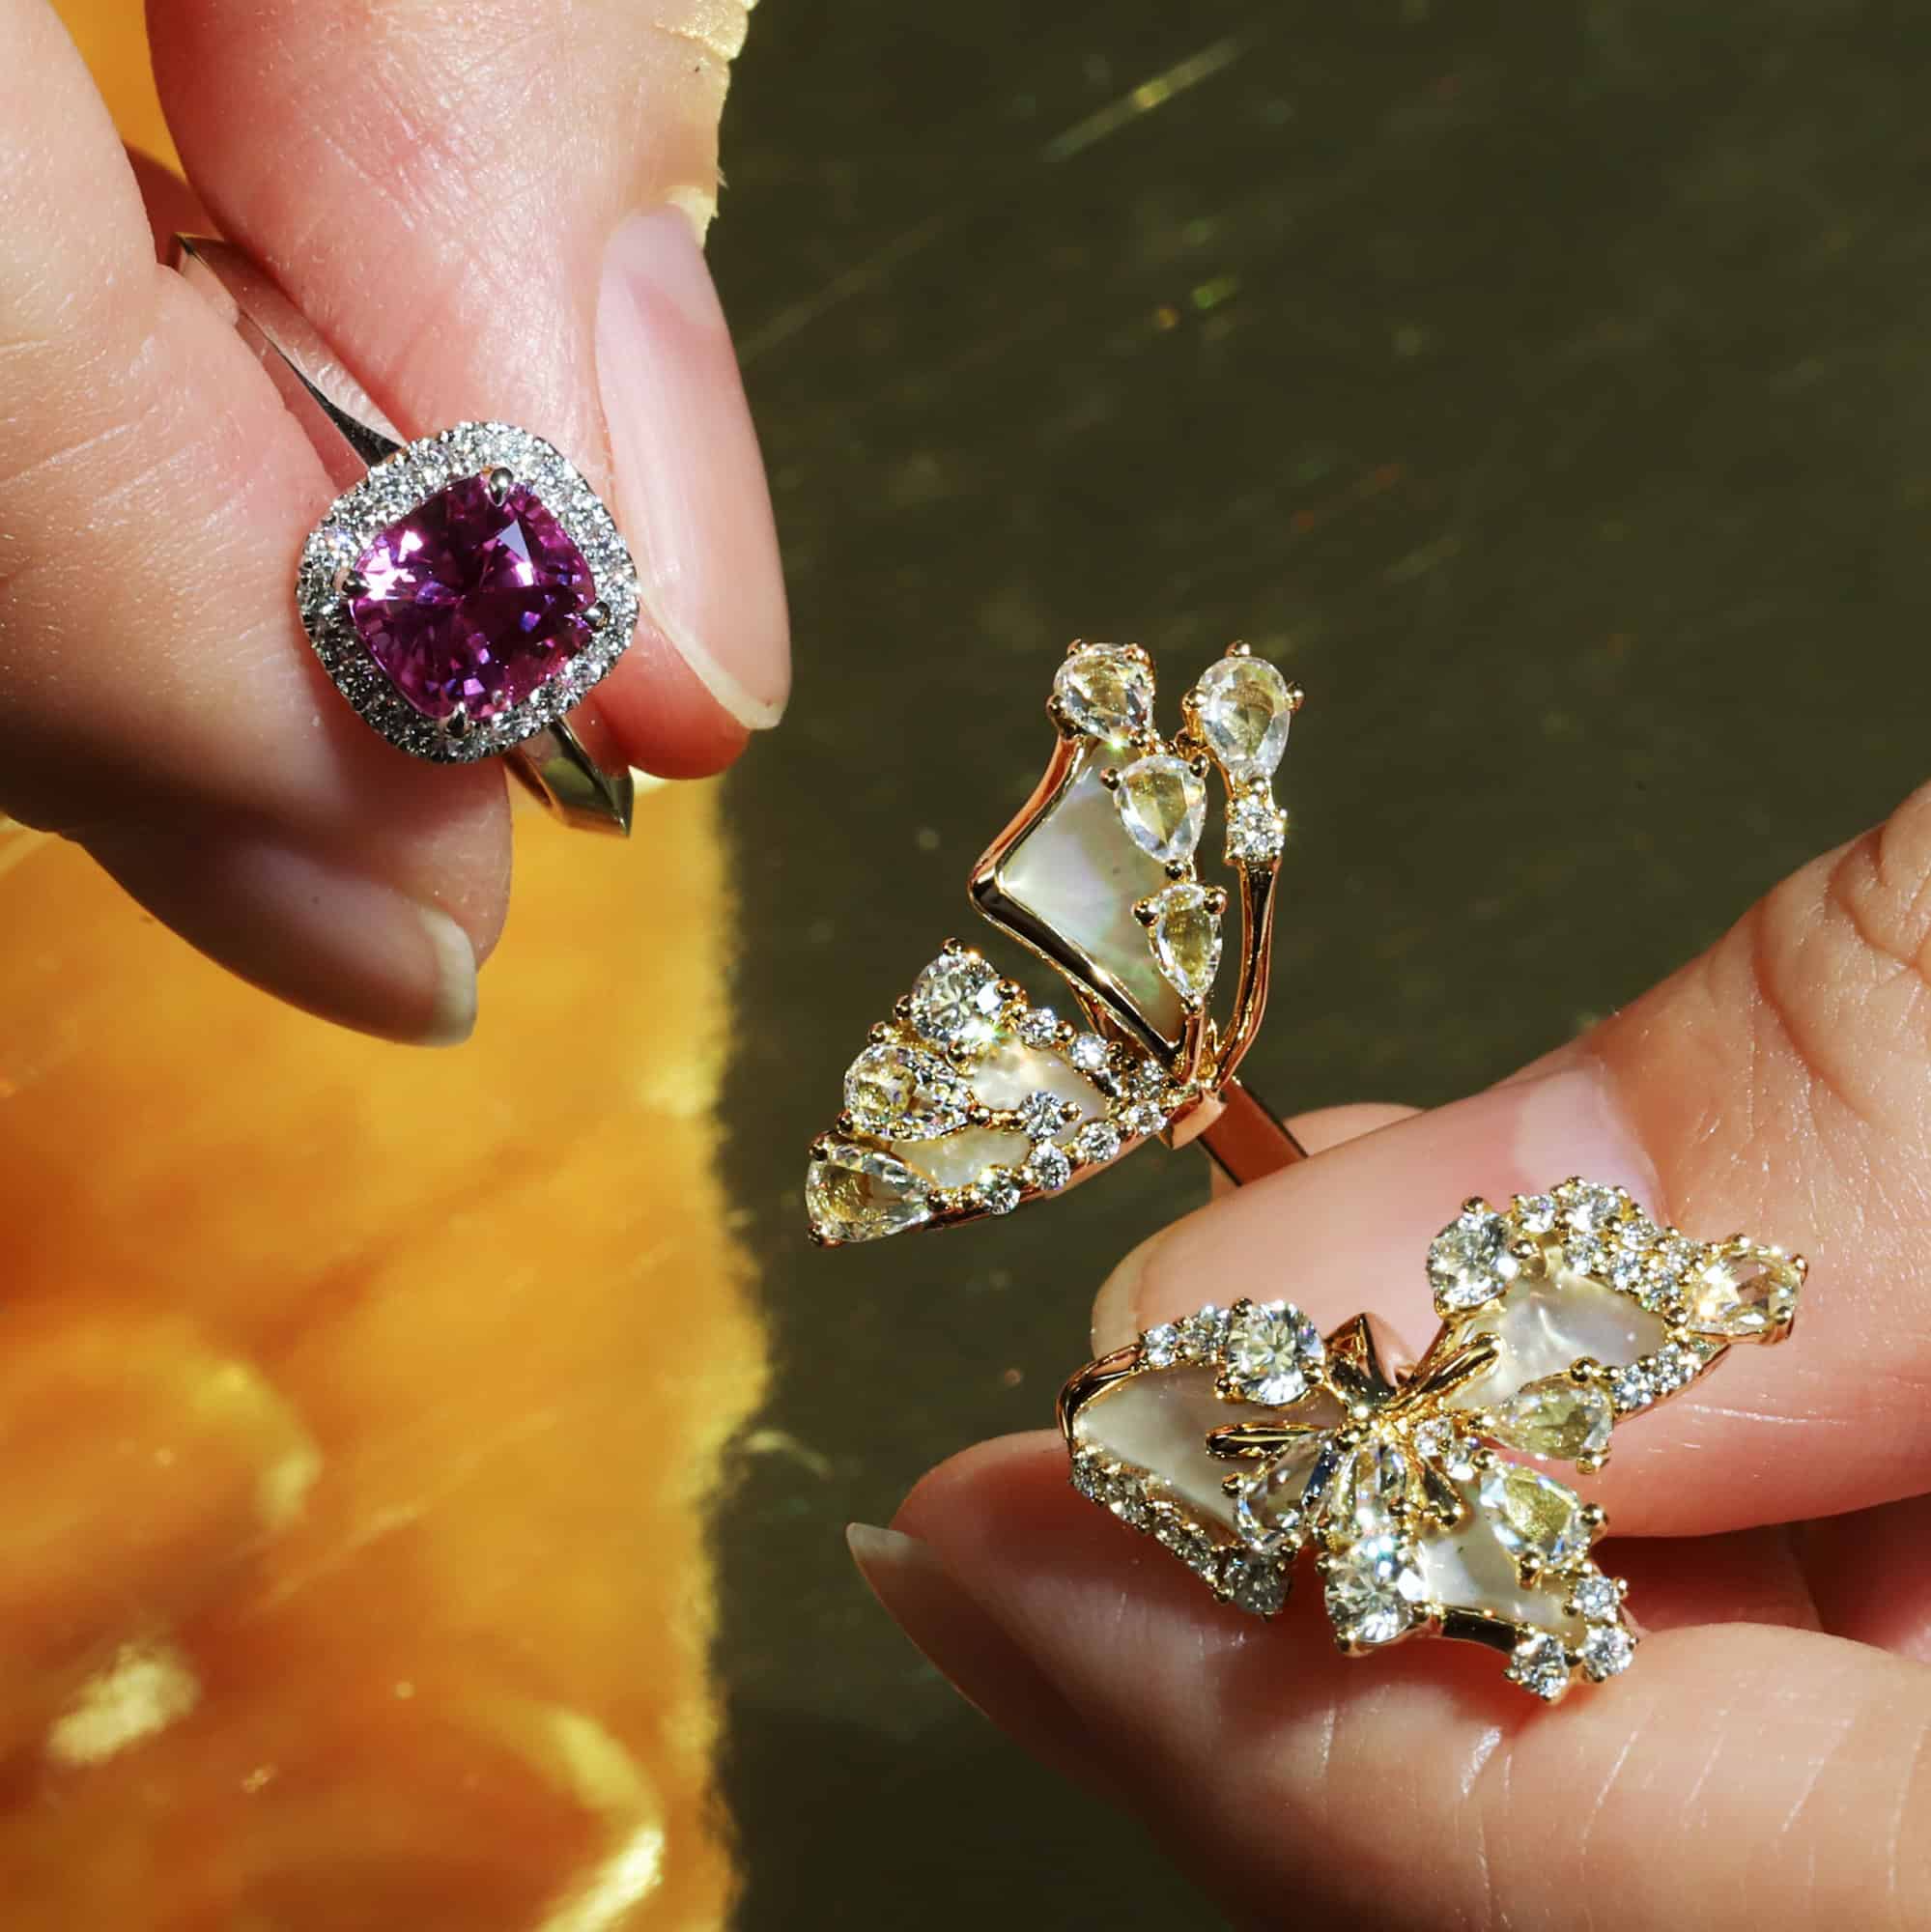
1764,1761
489,211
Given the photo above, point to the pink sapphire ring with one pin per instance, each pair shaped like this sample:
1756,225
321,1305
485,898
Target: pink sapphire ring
466,590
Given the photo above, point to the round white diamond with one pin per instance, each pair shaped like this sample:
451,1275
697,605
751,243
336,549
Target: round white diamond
956,1001
1585,1253
1204,1333
1253,1583
1099,1142
1088,1479
1149,1079
1541,1665
1607,1651
1040,1115
1049,1167
998,1192
1040,1026
1631,1388
1274,1353
1143,1118
1087,1053
1669,1368
1590,1208
1161,1345
1470,1263
905,1092
1596,1598
1107,692
1535,1214
1254,831
1243,710
1373,1588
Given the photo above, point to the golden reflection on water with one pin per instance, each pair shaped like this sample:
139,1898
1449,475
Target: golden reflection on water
358,1410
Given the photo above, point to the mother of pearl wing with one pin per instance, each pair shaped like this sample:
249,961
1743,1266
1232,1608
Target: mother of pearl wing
1159,1422
1079,872
1003,1078
1545,1324
1467,1568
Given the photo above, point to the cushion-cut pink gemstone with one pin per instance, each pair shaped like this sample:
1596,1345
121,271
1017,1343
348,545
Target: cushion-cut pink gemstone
472,602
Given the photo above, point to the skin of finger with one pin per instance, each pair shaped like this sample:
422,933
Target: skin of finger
1116,1310
436,195
1871,1574
151,664
1738,1776
1775,1086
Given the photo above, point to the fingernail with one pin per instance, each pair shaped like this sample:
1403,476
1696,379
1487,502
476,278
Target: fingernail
347,948
691,489
915,1592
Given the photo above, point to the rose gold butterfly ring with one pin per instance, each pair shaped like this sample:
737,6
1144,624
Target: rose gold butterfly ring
971,1100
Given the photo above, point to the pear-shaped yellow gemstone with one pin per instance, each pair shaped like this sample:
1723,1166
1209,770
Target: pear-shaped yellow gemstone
1532,1515
1163,806
1186,938
1744,1295
1558,1418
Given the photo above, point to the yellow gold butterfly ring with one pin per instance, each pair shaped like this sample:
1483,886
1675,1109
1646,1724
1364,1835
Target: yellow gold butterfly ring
972,1100
1239,1437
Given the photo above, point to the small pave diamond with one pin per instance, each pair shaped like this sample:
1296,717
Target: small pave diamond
1589,1207
1049,1167
1541,1665
1256,830
1470,1263
1040,1026
1097,1141
1535,1214
1597,1599
1087,1053
956,1001
1629,1389
998,1192
1607,1651
1040,1115
1161,1345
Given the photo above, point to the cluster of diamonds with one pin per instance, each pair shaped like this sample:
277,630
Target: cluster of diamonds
1707,1294
913,1082
1237,720
1249,1579
1359,1498
396,488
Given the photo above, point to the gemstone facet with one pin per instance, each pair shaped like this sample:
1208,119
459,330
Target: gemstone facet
1541,1665
1272,1353
1470,1263
1163,806
1254,831
1107,692
956,1001
1373,1588
1534,1515
905,1093
1186,938
1243,709
1744,1295
858,1193
1558,1418
469,602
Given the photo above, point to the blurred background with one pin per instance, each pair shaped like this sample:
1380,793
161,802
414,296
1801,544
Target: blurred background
1542,385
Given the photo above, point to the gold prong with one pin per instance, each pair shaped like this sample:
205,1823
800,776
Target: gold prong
1216,899
1145,911
1109,777
1240,648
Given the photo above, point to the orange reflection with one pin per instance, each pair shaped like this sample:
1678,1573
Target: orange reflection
356,1411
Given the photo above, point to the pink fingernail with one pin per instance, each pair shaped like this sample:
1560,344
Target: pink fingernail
690,482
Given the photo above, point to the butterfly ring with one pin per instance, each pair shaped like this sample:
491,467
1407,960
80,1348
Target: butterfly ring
1238,1437
972,1100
